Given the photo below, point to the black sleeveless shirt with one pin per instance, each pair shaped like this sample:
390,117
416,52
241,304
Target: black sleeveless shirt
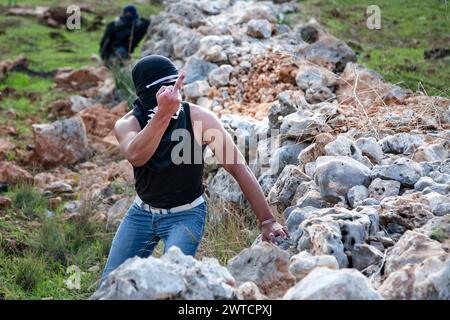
176,184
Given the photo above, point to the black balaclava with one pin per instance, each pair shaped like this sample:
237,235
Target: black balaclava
130,14
149,74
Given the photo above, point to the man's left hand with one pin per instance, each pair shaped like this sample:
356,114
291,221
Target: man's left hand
272,230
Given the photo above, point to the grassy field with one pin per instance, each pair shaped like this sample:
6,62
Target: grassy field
396,51
37,246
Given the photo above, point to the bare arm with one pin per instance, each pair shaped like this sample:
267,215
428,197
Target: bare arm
139,146
227,154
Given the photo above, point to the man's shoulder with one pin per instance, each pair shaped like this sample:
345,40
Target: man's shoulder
206,116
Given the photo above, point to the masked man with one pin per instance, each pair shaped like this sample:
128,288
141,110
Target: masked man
169,204
123,35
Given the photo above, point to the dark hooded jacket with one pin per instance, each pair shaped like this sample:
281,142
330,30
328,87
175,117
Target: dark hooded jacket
118,34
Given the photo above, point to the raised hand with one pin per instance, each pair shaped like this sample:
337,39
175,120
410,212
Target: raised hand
169,97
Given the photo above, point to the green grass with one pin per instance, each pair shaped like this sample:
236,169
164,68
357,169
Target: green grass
27,235
409,27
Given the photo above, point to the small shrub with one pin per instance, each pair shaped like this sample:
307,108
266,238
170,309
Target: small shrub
51,241
28,200
29,271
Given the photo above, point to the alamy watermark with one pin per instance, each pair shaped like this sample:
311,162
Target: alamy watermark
373,21
73,21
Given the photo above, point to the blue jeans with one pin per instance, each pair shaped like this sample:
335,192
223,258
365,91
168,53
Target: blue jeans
141,230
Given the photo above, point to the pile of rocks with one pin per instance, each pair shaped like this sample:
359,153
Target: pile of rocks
358,168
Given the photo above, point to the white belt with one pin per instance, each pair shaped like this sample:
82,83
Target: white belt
183,207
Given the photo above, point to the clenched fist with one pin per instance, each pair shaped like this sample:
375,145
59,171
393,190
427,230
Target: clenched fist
169,98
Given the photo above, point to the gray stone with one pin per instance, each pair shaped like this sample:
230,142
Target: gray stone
416,268
370,202
380,189
286,155
412,248
329,53
79,103
250,291
403,170
336,175
441,209
286,186
196,89
371,149
174,276
266,265
343,146
300,265
309,33
356,195
311,77
431,152
277,112
61,142
197,69
423,182
319,94
296,217
328,284
266,181
118,211
297,126
220,77
259,28
401,143
426,281
364,255
213,7
224,188
445,167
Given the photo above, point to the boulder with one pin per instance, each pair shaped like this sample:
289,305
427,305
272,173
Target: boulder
311,77
285,187
12,174
401,143
335,176
432,152
417,268
220,77
118,211
259,28
319,94
403,170
364,255
412,248
297,126
173,276
300,265
61,142
5,202
330,53
428,280
314,150
197,69
224,192
266,265
328,284
287,154
356,195
250,291
196,89
380,189
371,149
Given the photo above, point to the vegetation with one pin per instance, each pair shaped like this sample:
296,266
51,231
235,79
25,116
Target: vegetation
38,246
396,51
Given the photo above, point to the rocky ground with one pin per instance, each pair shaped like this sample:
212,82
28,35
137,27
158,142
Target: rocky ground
357,168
